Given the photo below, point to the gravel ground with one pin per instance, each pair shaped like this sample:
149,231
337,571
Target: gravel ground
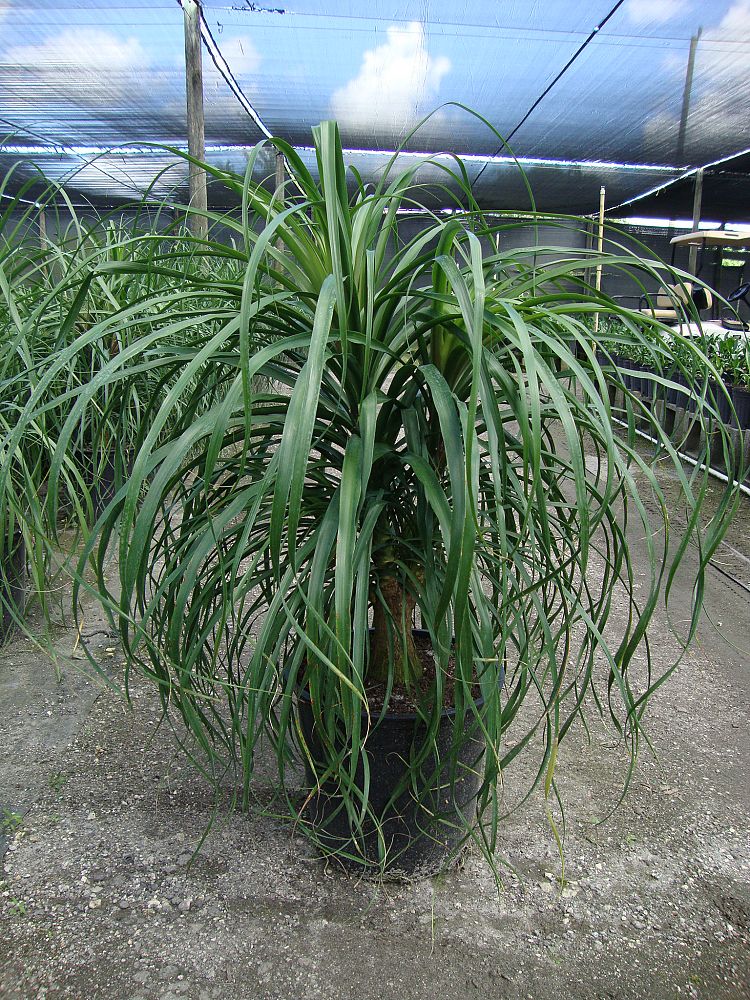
110,891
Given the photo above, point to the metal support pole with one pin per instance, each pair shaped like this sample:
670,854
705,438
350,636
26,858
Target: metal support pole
697,198
599,248
195,123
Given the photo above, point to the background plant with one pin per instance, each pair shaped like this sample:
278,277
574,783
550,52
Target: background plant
58,469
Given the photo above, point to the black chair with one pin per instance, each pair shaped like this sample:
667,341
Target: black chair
740,294
734,321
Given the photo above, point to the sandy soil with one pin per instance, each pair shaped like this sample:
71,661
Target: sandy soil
110,892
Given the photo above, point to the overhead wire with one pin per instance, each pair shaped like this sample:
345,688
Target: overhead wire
225,71
62,150
229,78
543,31
591,36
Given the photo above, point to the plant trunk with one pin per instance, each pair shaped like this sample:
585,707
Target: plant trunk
392,623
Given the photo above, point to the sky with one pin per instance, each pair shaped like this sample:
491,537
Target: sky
96,73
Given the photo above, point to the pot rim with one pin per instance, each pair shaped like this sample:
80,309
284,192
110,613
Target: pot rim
446,713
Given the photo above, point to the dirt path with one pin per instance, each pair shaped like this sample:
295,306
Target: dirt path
100,900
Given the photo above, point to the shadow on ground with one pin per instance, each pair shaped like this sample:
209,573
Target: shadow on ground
108,891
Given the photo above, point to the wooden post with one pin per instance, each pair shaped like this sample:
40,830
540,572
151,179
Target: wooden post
686,95
280,178
279,197
697,198
195,123
42,227
599,248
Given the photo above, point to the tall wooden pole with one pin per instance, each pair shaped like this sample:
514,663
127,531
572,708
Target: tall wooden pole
599,248
195,122
280,177
43,228
686,93
697,199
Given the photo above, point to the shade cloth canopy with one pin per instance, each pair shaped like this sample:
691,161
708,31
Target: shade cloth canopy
582,107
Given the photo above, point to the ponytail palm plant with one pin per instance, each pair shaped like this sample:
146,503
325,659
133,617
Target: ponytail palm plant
401,437
67,429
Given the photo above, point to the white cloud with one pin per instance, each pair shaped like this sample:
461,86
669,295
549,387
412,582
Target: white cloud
86,66
659,11
80,51
243,59
241,55
736,21
397,83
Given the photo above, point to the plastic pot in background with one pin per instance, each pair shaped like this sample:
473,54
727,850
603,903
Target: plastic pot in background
12,584
682,394
717,397
636,377
741,402
648,389
102,484
626,371
104,475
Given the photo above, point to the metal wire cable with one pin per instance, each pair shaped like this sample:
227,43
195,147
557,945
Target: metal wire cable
229,78
689,172
223,67
549,87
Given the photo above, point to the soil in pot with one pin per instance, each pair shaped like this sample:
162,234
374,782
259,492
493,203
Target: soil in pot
417,822
12,585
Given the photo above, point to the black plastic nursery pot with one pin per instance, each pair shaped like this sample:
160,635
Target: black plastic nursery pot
647,388
626,371
681,395
103,485
719,400
741,402
421,827
636,377
12,585
103,478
